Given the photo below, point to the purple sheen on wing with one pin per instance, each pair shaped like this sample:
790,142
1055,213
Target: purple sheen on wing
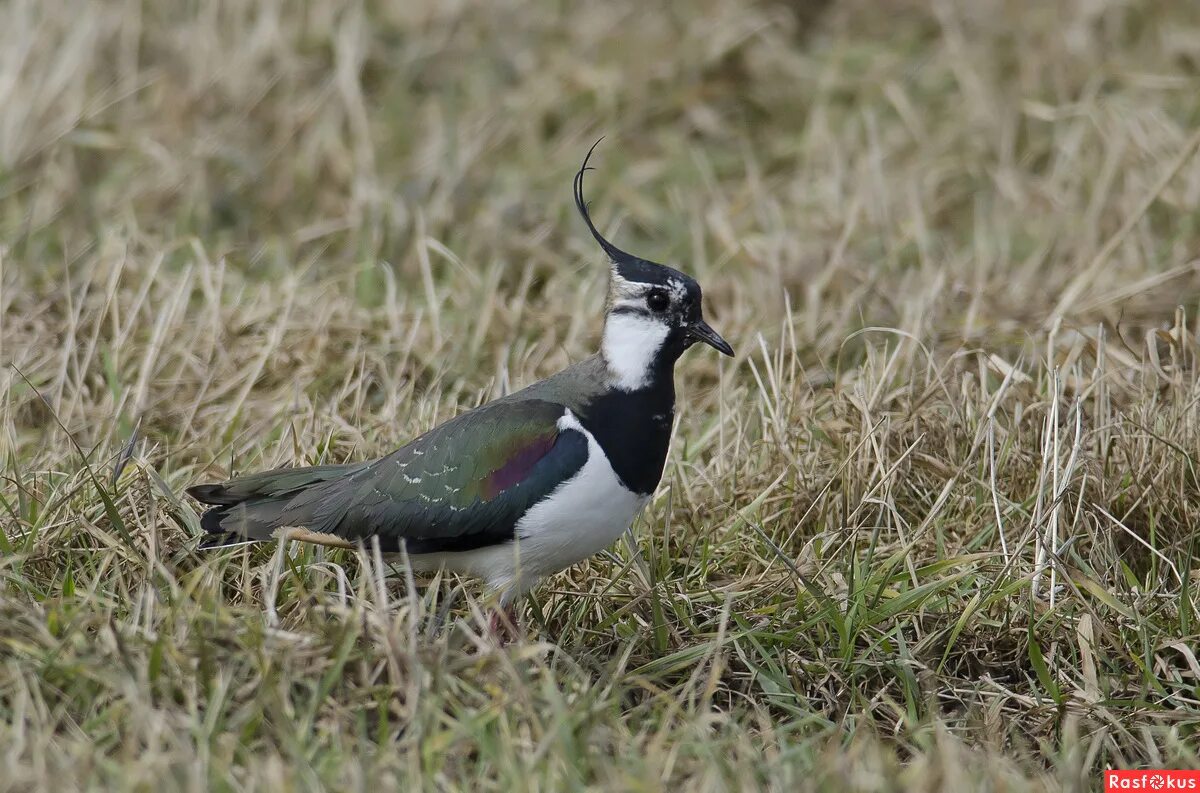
517,467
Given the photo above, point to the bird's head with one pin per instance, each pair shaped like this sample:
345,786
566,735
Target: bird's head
653,312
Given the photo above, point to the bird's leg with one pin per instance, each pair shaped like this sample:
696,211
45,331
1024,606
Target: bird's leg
503,624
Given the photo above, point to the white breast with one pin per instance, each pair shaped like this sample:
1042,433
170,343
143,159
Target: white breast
581,517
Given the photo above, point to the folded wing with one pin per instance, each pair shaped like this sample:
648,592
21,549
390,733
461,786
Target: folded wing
461,486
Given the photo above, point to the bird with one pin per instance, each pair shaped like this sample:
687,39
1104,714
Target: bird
518,488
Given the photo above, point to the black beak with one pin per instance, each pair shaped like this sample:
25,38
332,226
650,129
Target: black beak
700,331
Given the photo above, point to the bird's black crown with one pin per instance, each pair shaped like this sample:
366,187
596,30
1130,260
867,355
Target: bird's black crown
626,265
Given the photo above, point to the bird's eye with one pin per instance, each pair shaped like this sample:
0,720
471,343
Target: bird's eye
658,300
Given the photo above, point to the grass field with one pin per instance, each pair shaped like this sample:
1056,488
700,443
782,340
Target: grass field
933,528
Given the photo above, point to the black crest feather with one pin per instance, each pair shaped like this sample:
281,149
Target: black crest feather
616,254
626,265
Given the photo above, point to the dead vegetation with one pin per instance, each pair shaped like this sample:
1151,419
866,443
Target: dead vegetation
934,528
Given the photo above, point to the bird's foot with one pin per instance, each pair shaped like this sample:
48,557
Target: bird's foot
503,625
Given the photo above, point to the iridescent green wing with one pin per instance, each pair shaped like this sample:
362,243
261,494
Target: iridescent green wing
463,485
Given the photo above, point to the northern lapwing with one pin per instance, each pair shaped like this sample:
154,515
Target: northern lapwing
518,488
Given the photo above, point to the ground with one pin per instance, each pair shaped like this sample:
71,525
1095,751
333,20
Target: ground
934,527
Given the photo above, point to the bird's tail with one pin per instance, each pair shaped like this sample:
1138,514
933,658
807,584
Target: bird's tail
252,508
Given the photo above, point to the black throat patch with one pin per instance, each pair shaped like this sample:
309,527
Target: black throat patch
634,430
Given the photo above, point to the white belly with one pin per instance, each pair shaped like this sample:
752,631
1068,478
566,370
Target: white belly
584,515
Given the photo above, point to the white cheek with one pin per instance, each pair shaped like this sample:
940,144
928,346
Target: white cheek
620,288
631,343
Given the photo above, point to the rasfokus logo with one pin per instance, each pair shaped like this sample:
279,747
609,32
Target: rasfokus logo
1163,780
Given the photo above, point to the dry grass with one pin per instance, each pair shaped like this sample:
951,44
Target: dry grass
934,528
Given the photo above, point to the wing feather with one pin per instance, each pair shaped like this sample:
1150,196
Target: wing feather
463,485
